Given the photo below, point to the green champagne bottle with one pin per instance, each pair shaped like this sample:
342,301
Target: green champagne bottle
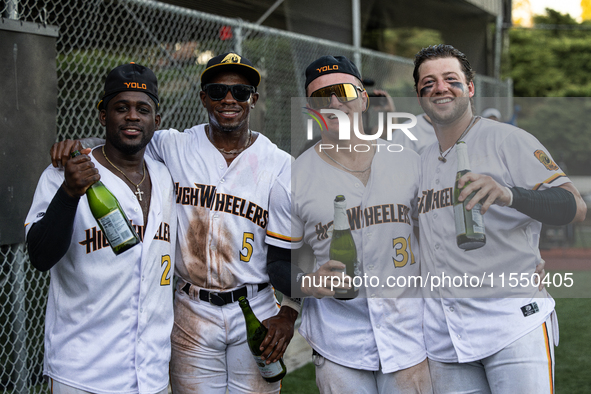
342,247
469,224
255,334
113,222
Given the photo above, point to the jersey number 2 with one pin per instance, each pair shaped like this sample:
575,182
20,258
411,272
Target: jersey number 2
248,246
165,280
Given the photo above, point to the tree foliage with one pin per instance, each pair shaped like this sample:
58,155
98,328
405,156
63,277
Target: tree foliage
553,60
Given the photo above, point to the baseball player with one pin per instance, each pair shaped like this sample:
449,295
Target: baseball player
223,174
504,343
372,343
109,317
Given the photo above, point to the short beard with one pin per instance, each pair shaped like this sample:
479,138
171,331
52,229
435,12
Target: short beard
129,150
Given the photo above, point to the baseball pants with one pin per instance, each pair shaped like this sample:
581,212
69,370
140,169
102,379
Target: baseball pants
525,366
60,388
332,378
209,348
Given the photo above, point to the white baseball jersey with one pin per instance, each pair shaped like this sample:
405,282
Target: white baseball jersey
424,132
468,329
222,210
109,317
378,331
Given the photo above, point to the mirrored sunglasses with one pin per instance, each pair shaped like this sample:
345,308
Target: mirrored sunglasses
344,92
218,91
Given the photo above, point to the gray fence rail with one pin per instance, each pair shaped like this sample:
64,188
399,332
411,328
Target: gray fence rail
98,35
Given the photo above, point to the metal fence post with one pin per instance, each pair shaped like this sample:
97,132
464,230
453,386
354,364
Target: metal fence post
238,39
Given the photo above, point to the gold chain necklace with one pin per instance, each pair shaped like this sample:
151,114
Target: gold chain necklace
441,155
348,169
138,193
233,151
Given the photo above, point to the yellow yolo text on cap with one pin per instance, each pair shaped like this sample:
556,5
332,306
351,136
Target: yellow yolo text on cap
231,58
135,85
328,68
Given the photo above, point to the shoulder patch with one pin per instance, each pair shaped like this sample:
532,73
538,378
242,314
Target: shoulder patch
545,160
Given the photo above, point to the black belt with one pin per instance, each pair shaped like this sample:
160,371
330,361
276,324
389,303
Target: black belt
221,299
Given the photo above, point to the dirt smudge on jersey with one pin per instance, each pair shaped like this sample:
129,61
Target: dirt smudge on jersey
195,257
221,257
210,252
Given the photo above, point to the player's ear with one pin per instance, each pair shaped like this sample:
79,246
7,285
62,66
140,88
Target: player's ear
253,99
471,89
203,96
103,117
365,100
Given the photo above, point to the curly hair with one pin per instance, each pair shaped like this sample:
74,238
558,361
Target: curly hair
442,51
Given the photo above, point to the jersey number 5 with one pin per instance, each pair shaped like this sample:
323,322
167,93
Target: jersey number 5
245,255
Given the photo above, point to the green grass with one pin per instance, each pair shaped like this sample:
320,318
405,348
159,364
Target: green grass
573,355
581,284
300,381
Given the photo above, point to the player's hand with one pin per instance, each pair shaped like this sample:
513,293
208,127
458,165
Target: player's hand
60,152
541,272
80,174
279,335
323,277
386,104
488,191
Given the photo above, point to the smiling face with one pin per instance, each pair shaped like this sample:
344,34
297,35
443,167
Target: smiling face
228,114
349,108
443,91
130,120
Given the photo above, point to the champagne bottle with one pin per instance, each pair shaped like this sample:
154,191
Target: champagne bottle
469,224
113,222
342,247
255,334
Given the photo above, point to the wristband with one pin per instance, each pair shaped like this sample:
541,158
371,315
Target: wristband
510,198
293,303
555,206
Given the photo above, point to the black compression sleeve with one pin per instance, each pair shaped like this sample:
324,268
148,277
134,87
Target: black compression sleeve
282,272
555,206
48,239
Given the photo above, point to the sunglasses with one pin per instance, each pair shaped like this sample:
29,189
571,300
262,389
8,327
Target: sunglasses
218,91
344,92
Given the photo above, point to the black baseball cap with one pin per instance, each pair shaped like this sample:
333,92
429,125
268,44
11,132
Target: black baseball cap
328,65
130,77
230,61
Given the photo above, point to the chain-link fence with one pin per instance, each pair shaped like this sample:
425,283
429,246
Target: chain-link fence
97,35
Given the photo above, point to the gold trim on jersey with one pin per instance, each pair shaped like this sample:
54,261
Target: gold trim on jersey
283,237
549,354
550,180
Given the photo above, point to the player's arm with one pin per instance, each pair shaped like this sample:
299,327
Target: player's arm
290,279
555,206
49,238
60,151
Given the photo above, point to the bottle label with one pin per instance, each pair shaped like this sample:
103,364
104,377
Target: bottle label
478,222
459,219
268,371
115,228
